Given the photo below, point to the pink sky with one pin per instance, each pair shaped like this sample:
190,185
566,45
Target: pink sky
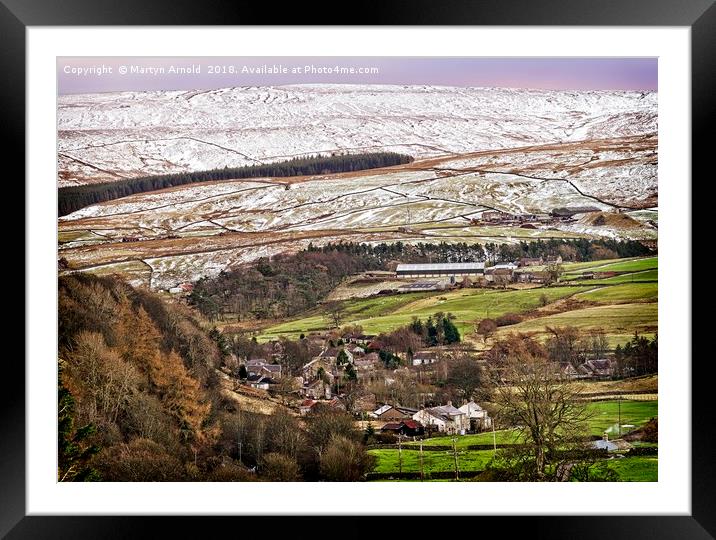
102,74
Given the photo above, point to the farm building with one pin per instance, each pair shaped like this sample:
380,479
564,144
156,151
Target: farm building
389,412
440,269
530,261
418,286
424,357
444,418
571,211
408,428
477,416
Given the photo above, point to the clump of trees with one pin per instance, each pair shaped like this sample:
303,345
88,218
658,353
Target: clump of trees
438,329
639,356
73,198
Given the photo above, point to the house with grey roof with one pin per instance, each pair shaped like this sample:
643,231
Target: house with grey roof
444,418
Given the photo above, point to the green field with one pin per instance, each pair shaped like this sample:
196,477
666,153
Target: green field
606,414
643,276
619,322
468,305
613,265
636,469
622,294
463,441
387,460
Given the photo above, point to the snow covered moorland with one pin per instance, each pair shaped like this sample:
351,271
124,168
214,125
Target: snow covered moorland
104,137
521,152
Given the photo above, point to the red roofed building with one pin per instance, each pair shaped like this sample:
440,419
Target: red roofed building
409,428
305,407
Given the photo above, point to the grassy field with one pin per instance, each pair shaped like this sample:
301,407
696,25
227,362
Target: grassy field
501,437
623,293
633,413
636,469
387,460
468,305
644,276
613,265
618,321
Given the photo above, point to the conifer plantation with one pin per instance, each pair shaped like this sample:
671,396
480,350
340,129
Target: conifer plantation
73,198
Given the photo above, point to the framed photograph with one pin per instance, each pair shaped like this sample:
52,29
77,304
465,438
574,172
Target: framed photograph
306,270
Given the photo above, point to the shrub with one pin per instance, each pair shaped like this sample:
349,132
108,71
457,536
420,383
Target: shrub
508,319
386,438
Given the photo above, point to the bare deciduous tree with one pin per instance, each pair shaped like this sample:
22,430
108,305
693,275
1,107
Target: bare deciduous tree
534,398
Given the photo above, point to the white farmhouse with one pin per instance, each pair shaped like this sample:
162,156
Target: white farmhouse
478,418
444,418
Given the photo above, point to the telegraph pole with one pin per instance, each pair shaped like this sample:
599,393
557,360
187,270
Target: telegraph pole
454,455
494,438
422,472
400,454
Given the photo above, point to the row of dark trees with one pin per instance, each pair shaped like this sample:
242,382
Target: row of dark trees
73,198
574,250
639,356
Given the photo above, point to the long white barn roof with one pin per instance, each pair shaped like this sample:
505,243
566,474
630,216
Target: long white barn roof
441,266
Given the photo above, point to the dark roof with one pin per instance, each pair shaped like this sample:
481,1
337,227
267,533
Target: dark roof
405,410
412,424
260,378
440,266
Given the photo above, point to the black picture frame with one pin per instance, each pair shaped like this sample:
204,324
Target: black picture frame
16,15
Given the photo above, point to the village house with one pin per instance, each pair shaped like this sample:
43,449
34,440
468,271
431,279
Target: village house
390,412
444,418
477,417
368,362
567,370
261,382
601,368
424,357
260,366
316,389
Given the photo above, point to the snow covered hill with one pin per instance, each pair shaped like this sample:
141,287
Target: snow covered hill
104,137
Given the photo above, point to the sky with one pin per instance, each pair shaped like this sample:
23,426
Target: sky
77,75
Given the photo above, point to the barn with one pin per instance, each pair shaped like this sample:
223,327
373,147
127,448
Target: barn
441,269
